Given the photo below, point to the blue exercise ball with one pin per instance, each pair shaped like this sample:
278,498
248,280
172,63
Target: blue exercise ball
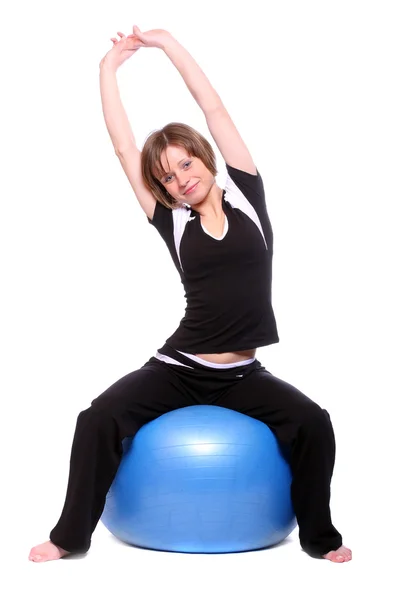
201,479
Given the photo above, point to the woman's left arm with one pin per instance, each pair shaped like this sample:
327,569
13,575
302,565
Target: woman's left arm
224,132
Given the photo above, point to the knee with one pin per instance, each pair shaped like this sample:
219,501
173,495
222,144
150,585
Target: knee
95,417
108,418
316,421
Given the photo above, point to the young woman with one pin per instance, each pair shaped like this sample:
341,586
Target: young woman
221,243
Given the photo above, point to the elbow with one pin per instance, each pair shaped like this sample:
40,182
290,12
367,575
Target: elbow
215,109
122,149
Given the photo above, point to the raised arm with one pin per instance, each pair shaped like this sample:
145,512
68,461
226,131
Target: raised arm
224,132
117,122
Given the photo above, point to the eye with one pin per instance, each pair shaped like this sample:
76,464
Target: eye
187,163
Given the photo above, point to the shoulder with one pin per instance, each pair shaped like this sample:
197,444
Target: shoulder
166,220
249,184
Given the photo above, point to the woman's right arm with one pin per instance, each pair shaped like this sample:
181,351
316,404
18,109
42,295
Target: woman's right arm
118,125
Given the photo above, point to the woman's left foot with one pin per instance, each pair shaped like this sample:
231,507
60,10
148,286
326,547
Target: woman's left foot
342,554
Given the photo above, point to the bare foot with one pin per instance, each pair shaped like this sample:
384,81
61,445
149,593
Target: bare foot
342,554
46,551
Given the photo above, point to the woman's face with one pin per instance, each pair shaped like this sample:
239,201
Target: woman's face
186,177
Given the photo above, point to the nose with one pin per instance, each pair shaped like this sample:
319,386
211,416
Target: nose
183,178
184,184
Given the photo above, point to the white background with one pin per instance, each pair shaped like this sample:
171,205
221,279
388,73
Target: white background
89,291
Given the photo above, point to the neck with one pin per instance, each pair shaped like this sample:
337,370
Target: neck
211,206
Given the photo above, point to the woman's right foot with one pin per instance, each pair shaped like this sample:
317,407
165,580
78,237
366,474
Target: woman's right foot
46,551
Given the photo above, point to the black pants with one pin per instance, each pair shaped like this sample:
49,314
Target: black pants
159,387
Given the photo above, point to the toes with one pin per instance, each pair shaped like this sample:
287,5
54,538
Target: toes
37,558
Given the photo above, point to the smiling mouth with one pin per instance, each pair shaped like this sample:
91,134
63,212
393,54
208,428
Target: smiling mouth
192,189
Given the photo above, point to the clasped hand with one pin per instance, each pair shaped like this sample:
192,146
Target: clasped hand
124,47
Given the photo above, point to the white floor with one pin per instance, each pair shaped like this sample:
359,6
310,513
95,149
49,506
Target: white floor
112,569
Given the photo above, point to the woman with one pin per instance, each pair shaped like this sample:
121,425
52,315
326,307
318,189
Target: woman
221,242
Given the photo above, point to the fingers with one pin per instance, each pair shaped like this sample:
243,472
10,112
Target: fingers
122,37
137,32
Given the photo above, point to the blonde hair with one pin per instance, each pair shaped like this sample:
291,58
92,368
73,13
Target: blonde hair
173,134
